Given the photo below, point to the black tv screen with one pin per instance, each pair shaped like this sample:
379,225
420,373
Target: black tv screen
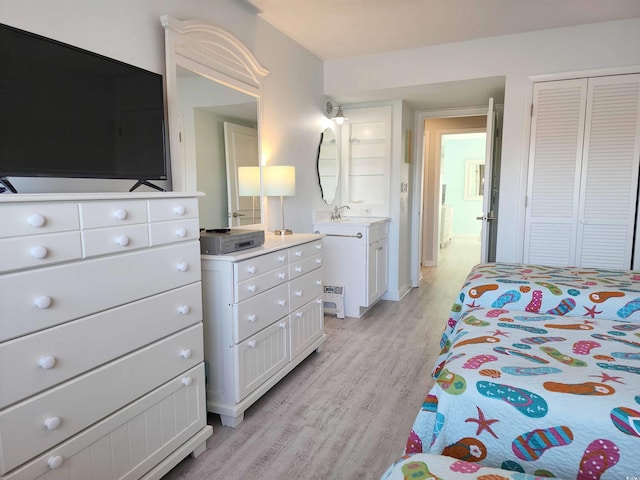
68,112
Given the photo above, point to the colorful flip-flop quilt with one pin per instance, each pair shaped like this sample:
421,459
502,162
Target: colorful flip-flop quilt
537,392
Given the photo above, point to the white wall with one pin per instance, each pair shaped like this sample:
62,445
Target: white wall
517,57
130,31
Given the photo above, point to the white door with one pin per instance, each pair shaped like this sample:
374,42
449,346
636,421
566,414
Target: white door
241,150
489,194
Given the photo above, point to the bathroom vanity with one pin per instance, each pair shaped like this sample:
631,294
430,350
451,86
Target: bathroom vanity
356,256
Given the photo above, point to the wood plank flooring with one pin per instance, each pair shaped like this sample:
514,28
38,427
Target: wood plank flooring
346,412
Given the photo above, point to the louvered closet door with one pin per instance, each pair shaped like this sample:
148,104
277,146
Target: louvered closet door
555,157
611,154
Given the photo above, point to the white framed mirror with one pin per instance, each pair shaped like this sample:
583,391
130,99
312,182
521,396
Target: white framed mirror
213,105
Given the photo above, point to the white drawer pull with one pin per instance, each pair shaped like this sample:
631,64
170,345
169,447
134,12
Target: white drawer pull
38,252
122,240
282,303
184,309
186,353
52,423
299,293
36,220
318,261
180,210
251,318
251,288
282,275
319,246
298,253
42,302
47,362
181,232
186,381
298,269
183,266
55,462
251,269
282,258
252,343
299,314
318,282
319,301
120,214
282,324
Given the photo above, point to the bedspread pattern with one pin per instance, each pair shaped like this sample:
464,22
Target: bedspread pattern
537,392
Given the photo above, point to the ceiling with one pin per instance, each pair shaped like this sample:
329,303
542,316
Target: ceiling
334,29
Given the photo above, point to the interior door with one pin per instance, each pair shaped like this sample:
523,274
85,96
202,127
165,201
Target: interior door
241,150
489,192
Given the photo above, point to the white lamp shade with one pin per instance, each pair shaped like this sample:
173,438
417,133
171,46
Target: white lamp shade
249,181
280,180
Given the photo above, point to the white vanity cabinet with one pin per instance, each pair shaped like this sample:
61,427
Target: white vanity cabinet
263,314
356,256
101,335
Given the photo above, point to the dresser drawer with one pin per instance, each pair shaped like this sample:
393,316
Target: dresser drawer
112,213
305,250
161,233
261,283
37,218
172,209
31,427
102,241
37,299
39,250
260,357
305,288
33,363
258,265
305,266
128,443
260,311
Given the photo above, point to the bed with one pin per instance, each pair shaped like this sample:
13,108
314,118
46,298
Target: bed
539,373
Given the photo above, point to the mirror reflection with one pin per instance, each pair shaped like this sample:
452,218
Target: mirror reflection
220,126
328,166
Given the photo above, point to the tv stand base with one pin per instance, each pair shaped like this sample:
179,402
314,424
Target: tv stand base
146,183
5,181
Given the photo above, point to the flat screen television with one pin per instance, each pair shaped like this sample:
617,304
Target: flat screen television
68,112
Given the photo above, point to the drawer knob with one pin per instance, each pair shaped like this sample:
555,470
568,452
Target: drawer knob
122,240
298,253
51,423
47,362
251,288
282,258
120,214
319,246
252,317
36,220
318,282
186,353
55,462
299,293
252,343
180,210
282,303
282,275
184,309
183,266
43,302
251,269
298,269
299,314
319,301
282,324
181,232
38,252
319,261
186,381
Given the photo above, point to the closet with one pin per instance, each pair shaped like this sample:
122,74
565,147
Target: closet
583,173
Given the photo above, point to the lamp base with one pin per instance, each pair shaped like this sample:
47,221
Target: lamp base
284,231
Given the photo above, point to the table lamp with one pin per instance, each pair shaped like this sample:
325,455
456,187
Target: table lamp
280,181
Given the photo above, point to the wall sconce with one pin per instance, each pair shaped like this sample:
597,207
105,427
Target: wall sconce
280,181
249,186
339,118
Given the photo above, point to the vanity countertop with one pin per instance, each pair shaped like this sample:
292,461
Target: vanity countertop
352,221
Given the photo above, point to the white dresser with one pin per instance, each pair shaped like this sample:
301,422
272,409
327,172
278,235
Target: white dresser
263,314
101,335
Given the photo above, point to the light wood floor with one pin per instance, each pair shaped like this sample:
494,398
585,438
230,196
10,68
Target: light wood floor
346,412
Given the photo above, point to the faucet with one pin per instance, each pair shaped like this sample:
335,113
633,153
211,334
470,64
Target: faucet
336,214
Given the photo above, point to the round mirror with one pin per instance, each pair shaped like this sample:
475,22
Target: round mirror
328,166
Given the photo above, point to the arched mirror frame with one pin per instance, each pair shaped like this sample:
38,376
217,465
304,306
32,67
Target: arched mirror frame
214,54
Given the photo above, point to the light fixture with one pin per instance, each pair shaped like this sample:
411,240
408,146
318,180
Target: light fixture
280,181
339,118
249,186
